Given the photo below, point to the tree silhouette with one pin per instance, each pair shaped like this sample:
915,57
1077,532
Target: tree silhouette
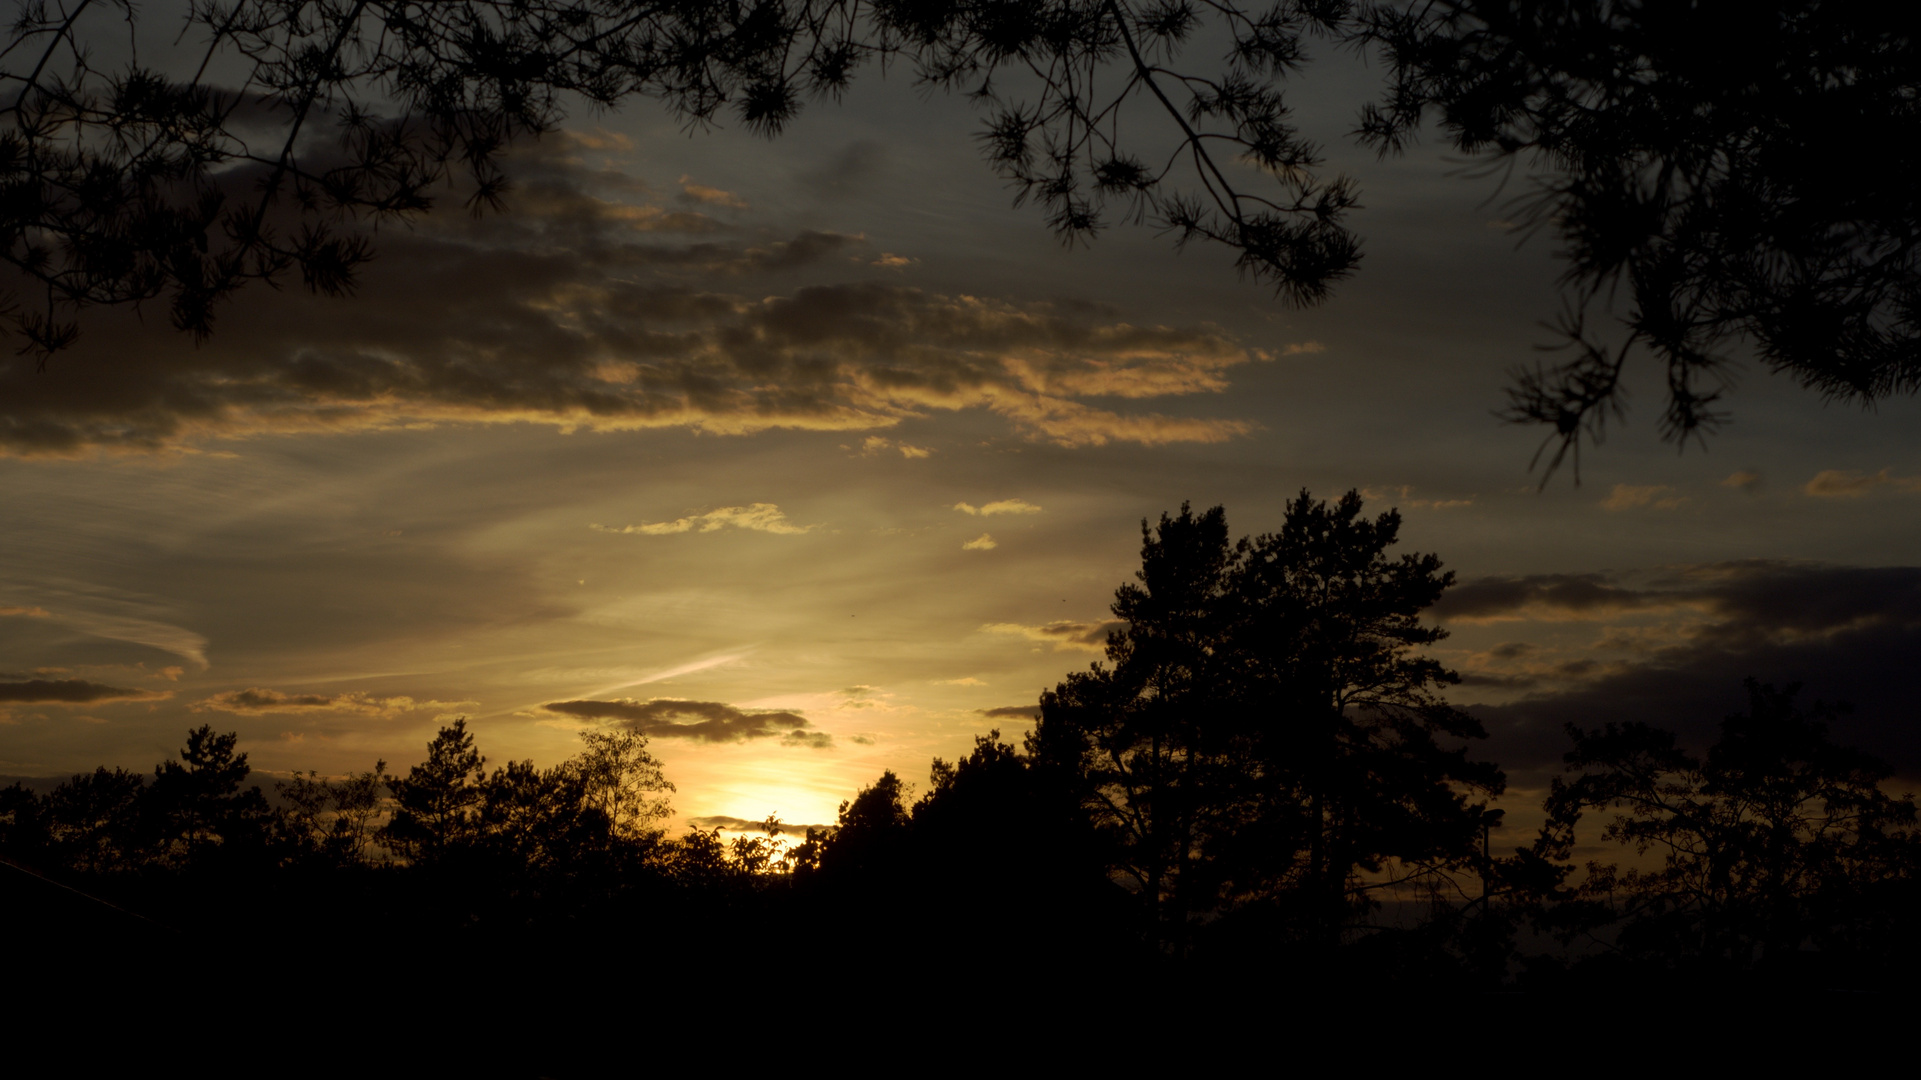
1153,741
332,820
437,805
1357,743
1738,170
283,124
95,822
870,832
1265,735
1776,842
196,804
624,782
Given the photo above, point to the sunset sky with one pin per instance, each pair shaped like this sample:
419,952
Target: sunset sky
816,457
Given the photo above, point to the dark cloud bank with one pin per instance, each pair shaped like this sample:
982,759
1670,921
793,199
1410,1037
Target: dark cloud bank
702,721
1848,634
72,692
723,821
583,306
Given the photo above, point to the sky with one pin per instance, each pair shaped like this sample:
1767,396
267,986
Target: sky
816,457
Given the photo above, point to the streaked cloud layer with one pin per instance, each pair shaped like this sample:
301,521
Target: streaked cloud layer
585,310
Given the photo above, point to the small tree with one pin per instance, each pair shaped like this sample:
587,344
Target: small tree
196,802
1778,841
95,822
870,833
437,805
624,782
332,820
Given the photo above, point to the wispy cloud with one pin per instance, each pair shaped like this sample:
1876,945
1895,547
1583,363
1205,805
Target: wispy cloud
757,517
1062,633
110,613
1746,480
28,612
999,506
1402,495
1631,496
705,663
874,444
256,700
1839,482
709,196
983,542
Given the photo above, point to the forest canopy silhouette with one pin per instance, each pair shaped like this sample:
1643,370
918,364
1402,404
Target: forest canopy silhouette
1261,785
1722,179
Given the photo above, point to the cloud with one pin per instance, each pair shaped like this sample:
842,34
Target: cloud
110,613
72,692
1539,597
585,309
1746,480
709,196
1002,506
1025,712
874,444
1837,482
1303,348
256,700
1631,496
1847,633
734,824
702,721
759,517
1401,493
983,542
863,697
1062,633
966,680
28,612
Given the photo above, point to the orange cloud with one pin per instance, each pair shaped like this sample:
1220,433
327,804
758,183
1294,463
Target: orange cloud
1838,482
1631,496
759,517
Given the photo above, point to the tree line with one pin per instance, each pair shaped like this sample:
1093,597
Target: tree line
1263,776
